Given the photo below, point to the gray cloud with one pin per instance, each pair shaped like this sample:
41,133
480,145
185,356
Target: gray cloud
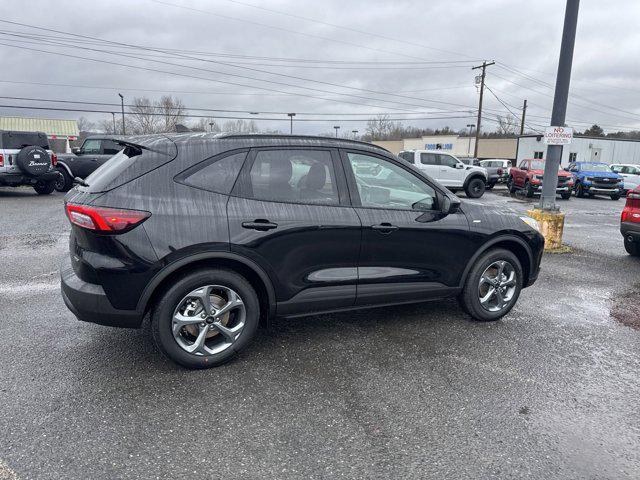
519,35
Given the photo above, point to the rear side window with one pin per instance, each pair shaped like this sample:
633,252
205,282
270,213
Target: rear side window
109,147
295,176
428,159
19,140
216,175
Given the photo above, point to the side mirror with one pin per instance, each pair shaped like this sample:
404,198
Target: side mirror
459,166
449,205
75,150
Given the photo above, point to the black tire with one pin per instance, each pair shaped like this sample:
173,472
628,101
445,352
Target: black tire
469,298
475,188
579,190
163,311
565,196
632,248
43,188
528,190
64,182
511,186
615,196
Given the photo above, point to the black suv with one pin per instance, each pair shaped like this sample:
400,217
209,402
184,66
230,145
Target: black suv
211,233
95,151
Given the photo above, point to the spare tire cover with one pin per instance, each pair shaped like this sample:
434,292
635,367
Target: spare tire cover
33,160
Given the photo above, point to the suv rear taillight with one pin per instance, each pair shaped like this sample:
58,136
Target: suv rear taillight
54,159
1,160
631,212
105,220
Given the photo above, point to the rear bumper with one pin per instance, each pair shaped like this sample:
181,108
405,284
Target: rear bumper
21,179
630,230
89,303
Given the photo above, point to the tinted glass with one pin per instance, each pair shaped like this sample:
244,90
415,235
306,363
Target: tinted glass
217,175
448,161
297,176
18,140
109,147
428,159
382,184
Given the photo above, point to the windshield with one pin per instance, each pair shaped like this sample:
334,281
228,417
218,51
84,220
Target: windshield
595,167
537,165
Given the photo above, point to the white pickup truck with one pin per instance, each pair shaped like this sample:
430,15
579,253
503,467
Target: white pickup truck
449,171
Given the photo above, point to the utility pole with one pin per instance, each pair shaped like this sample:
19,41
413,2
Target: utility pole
524,114
291,115
355,134
113,115
337,127
554,152
483,67
122,103
470,127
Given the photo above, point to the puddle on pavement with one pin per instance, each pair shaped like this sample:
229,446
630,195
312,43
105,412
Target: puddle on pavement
625,308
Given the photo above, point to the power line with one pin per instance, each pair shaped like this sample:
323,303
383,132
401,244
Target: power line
508,109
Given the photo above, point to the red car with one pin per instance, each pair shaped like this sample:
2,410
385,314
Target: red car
528,177
630,223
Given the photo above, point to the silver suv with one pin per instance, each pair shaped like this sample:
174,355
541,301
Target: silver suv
26,159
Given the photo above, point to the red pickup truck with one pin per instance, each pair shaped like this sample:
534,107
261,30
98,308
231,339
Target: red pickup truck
528,176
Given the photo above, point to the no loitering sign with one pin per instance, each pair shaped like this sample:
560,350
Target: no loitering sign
558,135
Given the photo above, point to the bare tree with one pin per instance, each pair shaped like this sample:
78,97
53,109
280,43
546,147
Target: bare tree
240,126
379,128
143,117
507,125
84,125
171,111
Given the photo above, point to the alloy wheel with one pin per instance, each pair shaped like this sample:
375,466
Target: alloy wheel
208,320
497,286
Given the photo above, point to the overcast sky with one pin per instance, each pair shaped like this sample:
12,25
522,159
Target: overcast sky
360,57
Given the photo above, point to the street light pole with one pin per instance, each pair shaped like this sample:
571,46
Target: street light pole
291,115
122,104
554,152
337,127
470,127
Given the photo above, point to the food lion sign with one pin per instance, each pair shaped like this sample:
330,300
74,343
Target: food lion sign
558,135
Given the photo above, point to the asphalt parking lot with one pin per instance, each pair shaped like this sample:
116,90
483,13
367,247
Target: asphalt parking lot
551,391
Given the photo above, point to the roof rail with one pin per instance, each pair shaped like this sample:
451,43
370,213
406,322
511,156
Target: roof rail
298,137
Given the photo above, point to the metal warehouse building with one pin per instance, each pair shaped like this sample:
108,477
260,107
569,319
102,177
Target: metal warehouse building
583,149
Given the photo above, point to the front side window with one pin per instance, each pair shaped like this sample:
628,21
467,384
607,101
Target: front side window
618,168
391,187
91,146
448,161
296,176
216,175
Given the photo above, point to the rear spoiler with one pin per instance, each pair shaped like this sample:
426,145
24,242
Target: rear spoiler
132,149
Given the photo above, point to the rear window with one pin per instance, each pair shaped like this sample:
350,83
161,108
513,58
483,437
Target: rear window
130,164
18,140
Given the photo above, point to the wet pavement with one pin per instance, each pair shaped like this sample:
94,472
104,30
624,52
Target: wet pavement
551,391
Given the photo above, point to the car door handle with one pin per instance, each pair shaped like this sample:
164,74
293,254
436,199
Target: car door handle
260,224
385,228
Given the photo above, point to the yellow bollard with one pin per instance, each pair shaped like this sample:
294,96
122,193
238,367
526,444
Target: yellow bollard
551,227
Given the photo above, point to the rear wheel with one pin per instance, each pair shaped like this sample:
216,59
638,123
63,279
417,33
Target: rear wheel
565,195
632,248
44,188
475,188
205,318
64,182
492,286
511,186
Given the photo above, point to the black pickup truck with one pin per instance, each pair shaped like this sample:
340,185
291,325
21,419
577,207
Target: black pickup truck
95,150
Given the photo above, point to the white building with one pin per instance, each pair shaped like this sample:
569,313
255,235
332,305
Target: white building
583,149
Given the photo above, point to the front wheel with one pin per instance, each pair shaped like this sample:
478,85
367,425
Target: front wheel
511,186
490,186
492,286
44,188
528,189
632,248
615,196
475,188
205,318
565,195
579,191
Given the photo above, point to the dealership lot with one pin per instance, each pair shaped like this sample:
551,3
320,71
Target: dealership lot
417,391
